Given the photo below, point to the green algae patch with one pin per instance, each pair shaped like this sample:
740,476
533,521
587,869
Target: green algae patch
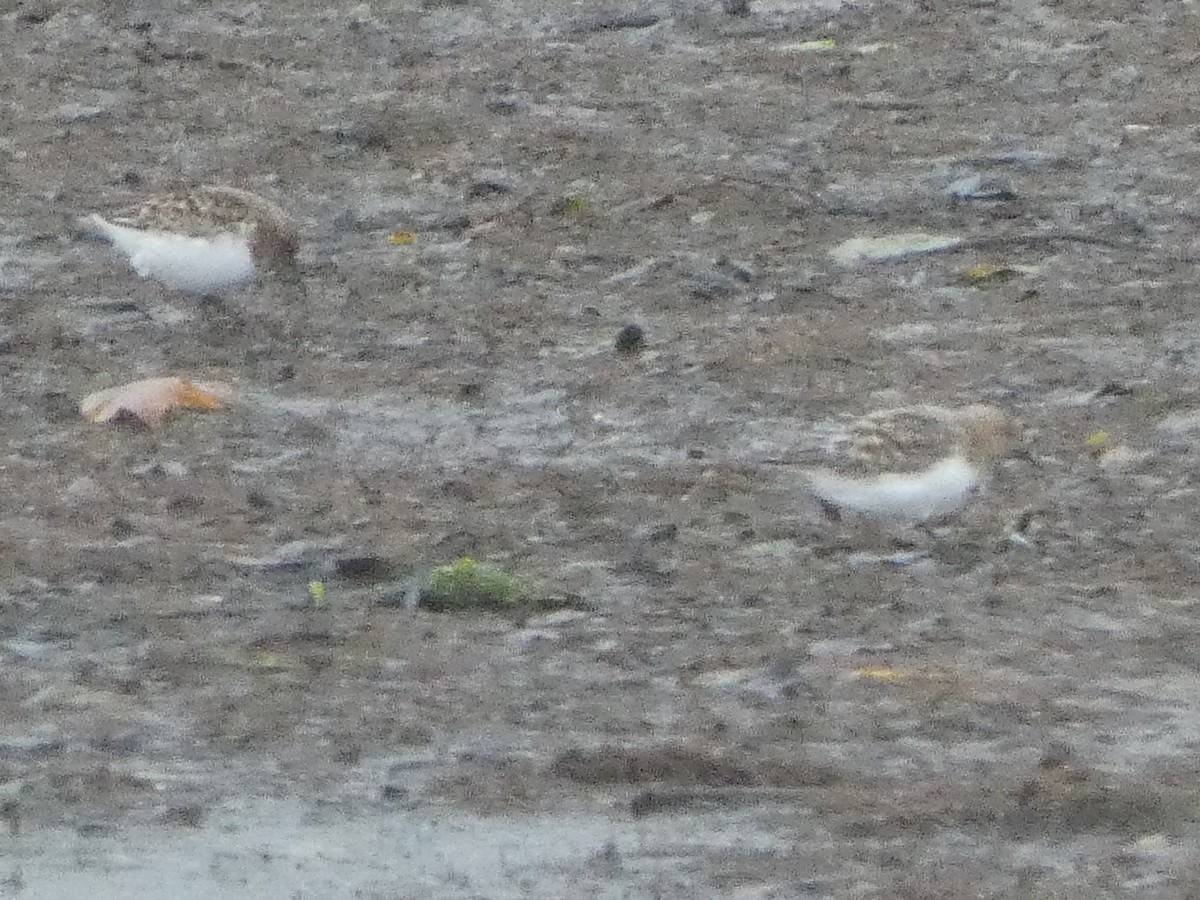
468,585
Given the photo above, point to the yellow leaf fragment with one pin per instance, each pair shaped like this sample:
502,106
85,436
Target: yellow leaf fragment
988,273
814,46
149,401
884,674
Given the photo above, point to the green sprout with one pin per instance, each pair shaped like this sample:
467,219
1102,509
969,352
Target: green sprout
316,594
574,205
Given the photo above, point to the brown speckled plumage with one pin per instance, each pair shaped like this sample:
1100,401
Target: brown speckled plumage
210,210
205,240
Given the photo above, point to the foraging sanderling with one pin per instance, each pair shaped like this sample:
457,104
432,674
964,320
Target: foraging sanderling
913,465
207,240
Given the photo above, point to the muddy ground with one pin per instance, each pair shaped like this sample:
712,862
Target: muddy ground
741,698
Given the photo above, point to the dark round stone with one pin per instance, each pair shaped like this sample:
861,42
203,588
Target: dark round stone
631,339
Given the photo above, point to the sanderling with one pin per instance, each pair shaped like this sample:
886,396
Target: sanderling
208,240
913,465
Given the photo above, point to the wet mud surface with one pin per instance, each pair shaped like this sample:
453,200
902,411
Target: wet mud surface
740,697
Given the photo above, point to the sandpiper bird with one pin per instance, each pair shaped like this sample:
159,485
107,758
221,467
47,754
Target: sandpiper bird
209,240
914,465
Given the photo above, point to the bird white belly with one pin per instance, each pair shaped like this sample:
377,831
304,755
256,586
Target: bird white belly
917,497
198,265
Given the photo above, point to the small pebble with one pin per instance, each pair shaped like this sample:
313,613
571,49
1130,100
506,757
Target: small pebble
631,339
